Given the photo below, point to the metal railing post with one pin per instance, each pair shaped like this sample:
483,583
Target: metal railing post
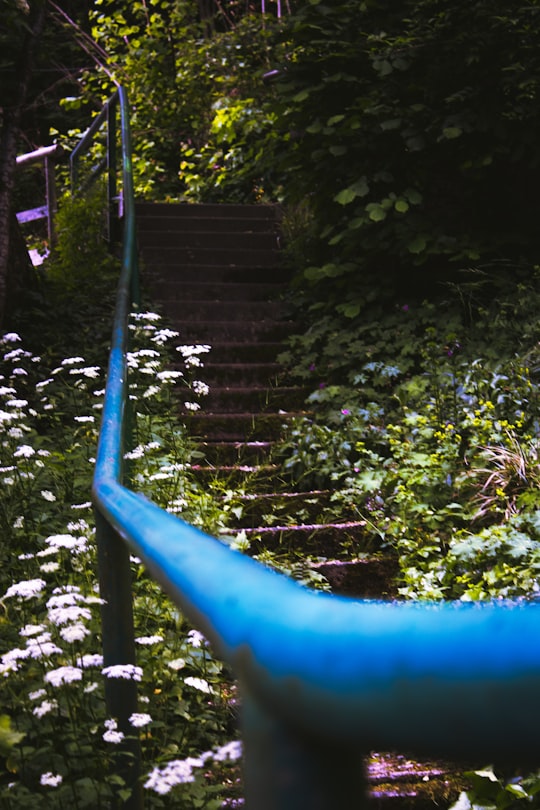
118,640
112,187
50,191
288,770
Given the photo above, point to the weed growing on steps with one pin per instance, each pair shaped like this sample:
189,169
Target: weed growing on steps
433,439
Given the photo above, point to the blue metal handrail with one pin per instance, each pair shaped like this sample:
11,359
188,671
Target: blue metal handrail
324,679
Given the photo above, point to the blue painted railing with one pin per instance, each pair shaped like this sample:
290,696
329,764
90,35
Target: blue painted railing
324,679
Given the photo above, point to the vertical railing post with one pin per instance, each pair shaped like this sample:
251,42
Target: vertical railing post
285,769
112,188
119,648
50,190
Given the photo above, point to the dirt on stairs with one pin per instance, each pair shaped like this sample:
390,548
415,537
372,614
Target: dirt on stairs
216,274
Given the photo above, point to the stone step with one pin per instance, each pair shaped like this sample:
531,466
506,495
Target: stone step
202,223
221,211
211,332
333,540
229,352
176,289
259,508
238,427
234,399
234,374
172,239
164,255
226,454
216,311
168,267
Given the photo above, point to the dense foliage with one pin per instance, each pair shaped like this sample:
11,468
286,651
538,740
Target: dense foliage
413,132
58,745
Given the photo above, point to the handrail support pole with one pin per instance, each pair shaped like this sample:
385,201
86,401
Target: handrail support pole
118,640
112,189
287,770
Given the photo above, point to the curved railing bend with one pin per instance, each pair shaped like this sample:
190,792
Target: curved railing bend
324,679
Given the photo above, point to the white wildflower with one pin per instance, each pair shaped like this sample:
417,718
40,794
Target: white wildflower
127,671
26,589
43,383
200,387
83,419
112,735
63,675
11,337
19,372
231,750
39,693
161,336
91,372
140,719
169,376
192,406
196,639
44,708
48,495
31,629
90,660
49,568
149,639
24,451
176,772
74,632
72,361
51,779
200,684
9,660
66,615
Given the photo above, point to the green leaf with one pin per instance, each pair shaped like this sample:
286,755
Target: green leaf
358,189
345,197
335,119
452,132
337,151
401,206
414,196
376,212
8,737
418,244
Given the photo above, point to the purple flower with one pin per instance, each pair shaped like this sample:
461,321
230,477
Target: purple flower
345,411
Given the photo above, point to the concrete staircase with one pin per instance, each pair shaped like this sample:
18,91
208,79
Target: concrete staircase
216,274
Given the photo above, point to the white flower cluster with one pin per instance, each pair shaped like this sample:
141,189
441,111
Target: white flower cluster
180,771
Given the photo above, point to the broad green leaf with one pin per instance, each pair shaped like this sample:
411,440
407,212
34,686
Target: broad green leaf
337,151
358,189
452,132
345,197
402,206
335,119
8,737
376,212
392,123
414,196
418,244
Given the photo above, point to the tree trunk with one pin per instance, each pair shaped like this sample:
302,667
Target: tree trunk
9,134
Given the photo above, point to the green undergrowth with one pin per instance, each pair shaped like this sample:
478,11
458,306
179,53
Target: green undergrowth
425,426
